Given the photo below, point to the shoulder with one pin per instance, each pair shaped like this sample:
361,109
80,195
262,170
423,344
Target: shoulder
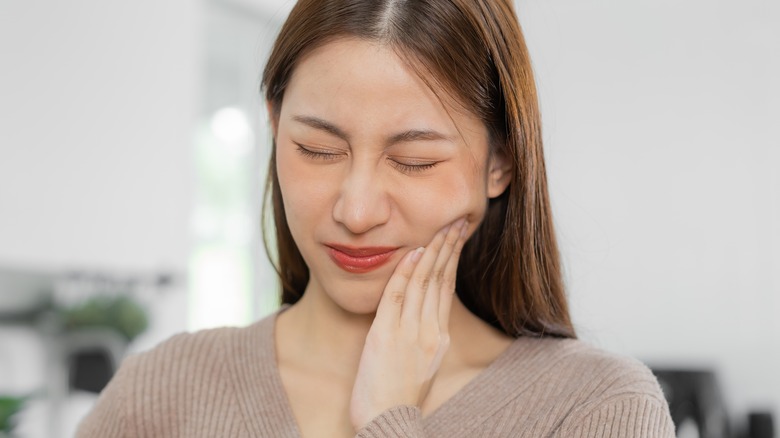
162,383
570,386
596,373
204,350
185,351
205,355
578,366
616,396
180,357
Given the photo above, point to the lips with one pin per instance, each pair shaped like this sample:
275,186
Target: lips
359,260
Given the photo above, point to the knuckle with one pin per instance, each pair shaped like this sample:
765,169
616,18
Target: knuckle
430,348
404,273
449,285
430,344
457,250
397,296
423,282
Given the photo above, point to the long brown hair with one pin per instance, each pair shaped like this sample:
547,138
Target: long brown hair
509,273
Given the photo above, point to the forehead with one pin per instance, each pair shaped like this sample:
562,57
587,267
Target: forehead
356,79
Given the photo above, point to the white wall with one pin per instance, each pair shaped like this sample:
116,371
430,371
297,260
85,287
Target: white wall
663,150
97,110
97,107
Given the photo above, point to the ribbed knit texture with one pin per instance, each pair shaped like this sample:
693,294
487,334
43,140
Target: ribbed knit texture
225,383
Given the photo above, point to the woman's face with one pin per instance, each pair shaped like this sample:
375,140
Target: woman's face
371,164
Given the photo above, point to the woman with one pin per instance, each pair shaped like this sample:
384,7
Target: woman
421,281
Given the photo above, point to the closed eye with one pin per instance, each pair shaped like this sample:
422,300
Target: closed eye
407,166
317,154
411,167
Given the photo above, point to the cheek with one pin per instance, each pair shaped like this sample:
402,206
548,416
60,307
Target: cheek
304,194
443,200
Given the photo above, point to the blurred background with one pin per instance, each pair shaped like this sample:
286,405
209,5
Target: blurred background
133,148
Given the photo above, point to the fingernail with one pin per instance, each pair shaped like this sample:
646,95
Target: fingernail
459,223
417,254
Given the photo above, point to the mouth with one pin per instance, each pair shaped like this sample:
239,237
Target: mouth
359,260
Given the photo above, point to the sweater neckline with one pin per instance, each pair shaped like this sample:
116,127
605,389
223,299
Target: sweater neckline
258,381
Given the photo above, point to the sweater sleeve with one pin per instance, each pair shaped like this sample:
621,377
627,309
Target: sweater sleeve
397,422
626,416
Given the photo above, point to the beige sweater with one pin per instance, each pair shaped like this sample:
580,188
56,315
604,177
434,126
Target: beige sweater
225,383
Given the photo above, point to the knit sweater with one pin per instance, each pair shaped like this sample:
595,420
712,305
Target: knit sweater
225,383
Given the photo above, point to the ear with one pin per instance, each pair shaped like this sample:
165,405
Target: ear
500,170
273,116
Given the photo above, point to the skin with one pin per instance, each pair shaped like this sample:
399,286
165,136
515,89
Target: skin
354,169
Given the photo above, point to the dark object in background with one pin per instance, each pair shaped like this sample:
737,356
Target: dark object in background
90,370
694,396
761,425
93,356
695,399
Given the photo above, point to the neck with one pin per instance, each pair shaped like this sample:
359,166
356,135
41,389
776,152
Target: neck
325,334
317,328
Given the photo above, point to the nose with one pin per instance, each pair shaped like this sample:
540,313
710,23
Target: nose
363,202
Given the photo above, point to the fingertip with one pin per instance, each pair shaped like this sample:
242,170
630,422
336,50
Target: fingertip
417,254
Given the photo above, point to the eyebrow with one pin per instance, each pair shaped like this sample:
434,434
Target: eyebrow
322,125
402,137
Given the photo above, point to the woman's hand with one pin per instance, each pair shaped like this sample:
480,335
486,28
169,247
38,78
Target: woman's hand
409,335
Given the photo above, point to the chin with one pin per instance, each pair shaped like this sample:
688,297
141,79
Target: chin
362,304
358,299
357,294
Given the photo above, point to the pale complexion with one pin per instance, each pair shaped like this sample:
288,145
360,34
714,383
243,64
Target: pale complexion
368,155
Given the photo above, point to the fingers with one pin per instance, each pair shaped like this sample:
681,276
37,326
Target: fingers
393,297
421,280
442,275
450,277
421,287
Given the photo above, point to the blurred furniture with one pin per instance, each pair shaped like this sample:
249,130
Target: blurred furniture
694,398
760,425
92,357
83,342
698,407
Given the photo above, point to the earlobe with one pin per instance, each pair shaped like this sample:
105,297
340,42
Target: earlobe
499,175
